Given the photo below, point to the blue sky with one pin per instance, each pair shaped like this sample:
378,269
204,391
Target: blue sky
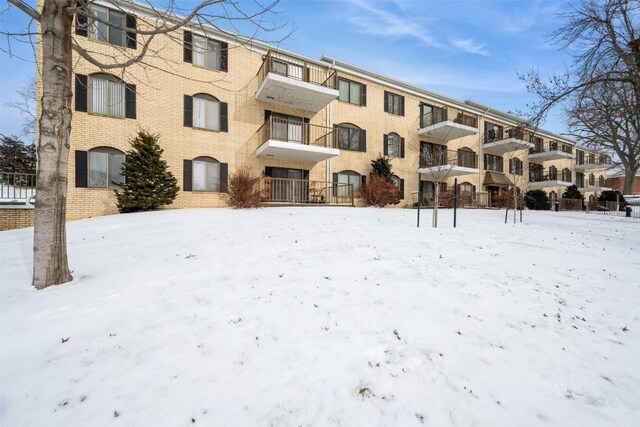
462,49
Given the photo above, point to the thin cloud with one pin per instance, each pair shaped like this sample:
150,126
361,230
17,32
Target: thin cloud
376,21
471,46
380,22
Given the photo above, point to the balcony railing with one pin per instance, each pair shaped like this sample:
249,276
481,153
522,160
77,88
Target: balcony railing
17,186
551,146
549,175
462,158
302,191
442,114
499,134
298,132
583,158
298,69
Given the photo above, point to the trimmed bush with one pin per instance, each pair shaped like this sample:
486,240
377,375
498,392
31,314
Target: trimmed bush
613,196
244,189
379,191
537,200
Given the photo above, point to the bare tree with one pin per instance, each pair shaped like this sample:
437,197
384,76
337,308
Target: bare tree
55,21
602,37
27,106
437,162
604,117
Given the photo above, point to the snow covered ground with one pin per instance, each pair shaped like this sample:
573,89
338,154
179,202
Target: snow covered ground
326,316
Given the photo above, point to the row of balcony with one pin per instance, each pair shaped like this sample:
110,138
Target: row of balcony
293,82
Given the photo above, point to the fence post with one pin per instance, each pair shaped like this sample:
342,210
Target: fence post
455,200
628,211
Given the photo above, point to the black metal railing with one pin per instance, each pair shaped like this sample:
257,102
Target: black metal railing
443,114
302,191
297,68
583,158
299,132
463,158
551,146
17,186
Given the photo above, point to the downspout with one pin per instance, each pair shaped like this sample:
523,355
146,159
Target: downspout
484,115
330,125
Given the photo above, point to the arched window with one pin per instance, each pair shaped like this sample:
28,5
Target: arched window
348,177
105,165
601,181
515,166
566,175
106,95
206,112
553,173
351,137
393,145
206,174
592,180
467,158
466,187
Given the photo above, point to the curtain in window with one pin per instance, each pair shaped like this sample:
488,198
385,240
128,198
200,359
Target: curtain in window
199,49
213,55
199,176
98,167
116,99
213,115
213,176
99,30
343,87
354,94
116,35
99,95
199,113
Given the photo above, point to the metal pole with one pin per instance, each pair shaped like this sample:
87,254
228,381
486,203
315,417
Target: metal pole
419,196
455,200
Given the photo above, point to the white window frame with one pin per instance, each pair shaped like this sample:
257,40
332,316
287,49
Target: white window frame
210,180
206,112
109,157
207,52
104,91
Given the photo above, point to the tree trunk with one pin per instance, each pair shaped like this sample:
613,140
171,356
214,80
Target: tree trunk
50,266
435,206
629,176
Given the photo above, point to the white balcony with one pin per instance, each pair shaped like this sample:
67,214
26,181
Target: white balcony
447,131
294,83
295,140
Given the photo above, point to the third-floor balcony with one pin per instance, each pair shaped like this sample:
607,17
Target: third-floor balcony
499,141
446,123
288,139
550,150
591,161
296,83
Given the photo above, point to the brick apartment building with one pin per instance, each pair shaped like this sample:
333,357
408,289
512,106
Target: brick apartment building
310,127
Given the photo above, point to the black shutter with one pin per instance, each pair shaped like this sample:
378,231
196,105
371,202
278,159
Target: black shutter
305,175
224,177
224,117
132,41
364,95
81,92
268,171
385,140
186,175
267,114
402,189
81,20
81,169
402,107
364,180
188,111
386,101
130,101
402,148
335,185
224,56
187,55
363,140
335,177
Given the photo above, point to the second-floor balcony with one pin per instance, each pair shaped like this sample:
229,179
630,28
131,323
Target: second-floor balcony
590,183
545,178
591,161
550,150
439,165
296,140
296,83
499,141
446,124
